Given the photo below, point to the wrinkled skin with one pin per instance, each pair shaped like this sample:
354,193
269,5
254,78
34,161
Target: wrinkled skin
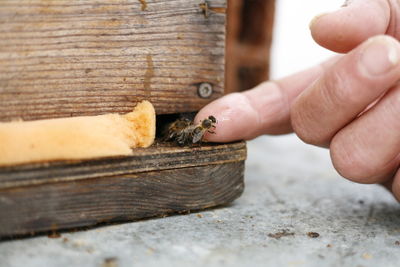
349,104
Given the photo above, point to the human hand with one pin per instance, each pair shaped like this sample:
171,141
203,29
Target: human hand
348,104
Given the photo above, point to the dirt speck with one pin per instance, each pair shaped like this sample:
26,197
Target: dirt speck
144,5
281,233
54,234
312,234
110,262
199,215
367,256
148,75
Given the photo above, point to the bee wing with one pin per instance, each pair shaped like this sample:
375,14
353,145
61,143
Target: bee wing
180,139
183,136
171,135
175,128
197,136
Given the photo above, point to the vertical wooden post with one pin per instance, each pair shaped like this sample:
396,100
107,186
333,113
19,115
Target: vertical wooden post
249,37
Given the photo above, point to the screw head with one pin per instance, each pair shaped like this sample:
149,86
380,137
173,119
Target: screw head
205,90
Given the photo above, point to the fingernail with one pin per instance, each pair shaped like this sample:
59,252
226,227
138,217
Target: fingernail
314,19
380,55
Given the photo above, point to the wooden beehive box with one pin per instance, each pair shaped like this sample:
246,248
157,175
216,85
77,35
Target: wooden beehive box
85,57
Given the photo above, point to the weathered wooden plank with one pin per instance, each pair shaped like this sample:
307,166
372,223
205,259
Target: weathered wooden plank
65,58
63,205
157,157
249,39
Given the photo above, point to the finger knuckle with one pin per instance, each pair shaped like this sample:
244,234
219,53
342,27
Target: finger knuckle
304,129
349,161
334,91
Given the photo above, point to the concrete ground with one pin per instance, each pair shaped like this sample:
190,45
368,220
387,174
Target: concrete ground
291,190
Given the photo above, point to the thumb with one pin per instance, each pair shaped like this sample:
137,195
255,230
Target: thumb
355,22
262,110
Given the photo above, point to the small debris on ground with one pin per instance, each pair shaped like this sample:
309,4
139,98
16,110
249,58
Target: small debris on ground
397,243
110,262
199,215
150,251
313,234
329,246
54,235
282,233
367,256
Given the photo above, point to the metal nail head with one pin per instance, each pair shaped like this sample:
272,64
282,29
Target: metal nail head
205,90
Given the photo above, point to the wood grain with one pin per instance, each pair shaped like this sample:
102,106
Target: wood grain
66,58
64,205
156,158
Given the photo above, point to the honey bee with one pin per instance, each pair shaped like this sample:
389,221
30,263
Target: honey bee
184,132
204,126
176,128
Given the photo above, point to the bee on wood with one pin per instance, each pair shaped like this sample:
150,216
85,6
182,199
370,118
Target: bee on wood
175,129
184,132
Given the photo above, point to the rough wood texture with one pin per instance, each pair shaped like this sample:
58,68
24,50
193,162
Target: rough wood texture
66,58
158,181
155,158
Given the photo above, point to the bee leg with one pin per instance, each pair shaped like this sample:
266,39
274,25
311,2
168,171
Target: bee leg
180,143
166,138
180,140
211,132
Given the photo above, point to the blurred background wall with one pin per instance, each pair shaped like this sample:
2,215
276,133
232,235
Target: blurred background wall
293,48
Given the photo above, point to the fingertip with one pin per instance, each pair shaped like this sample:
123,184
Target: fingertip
235,118
316,18
347,27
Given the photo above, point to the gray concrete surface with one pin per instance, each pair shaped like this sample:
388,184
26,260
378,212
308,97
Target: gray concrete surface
289,187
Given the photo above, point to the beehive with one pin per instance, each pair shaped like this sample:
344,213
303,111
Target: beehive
85,57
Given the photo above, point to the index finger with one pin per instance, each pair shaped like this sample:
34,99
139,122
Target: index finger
262,110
